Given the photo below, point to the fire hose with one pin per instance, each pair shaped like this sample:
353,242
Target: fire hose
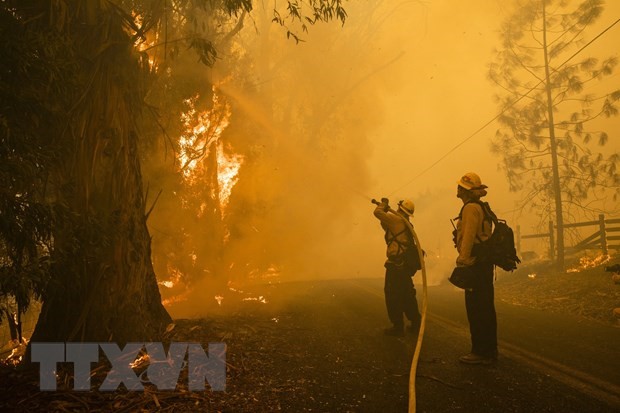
418,347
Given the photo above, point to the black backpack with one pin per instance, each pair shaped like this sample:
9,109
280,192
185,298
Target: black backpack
499,249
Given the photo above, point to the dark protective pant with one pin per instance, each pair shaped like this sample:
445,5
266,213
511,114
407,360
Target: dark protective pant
480,306
400,297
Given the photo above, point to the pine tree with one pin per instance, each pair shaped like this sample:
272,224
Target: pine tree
549,118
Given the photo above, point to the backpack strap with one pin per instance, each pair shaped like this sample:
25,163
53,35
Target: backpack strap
490,215
486,210
407,230
394,238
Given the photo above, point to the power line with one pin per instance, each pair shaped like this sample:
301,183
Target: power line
501,113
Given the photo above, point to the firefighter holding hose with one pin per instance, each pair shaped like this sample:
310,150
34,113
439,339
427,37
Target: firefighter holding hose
402,263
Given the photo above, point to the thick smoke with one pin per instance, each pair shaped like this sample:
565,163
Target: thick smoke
351,113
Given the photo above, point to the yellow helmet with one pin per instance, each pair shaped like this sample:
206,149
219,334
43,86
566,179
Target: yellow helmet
471,181
407,206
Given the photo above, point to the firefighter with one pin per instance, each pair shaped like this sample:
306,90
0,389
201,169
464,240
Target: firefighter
473,228
401,264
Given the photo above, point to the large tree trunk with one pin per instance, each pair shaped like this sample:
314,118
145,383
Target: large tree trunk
103,285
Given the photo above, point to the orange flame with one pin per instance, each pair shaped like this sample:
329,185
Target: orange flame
201,131
202,134
227,174
586,262
141,43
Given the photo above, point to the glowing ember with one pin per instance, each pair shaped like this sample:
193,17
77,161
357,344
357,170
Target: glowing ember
271,272
219,299
585,263
175,277
17,352
140,361
260,299
177,298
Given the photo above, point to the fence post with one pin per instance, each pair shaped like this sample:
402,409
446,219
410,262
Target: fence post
518,239
551,242
601,220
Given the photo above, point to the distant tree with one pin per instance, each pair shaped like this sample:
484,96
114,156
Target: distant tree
71,155
547,136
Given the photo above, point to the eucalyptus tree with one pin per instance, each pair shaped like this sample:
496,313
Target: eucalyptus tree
551,119
86,103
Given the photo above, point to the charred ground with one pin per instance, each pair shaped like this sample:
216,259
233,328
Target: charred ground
317,346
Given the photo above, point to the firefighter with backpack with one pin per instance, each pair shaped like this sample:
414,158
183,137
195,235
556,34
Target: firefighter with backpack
474,227
401,265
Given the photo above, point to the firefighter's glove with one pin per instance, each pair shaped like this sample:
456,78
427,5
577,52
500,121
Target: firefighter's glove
454,238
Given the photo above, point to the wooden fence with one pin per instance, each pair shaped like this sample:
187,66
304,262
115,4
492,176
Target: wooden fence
605,237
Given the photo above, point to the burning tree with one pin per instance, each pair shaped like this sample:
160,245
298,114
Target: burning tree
549,121
210,241
298,148
208,169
